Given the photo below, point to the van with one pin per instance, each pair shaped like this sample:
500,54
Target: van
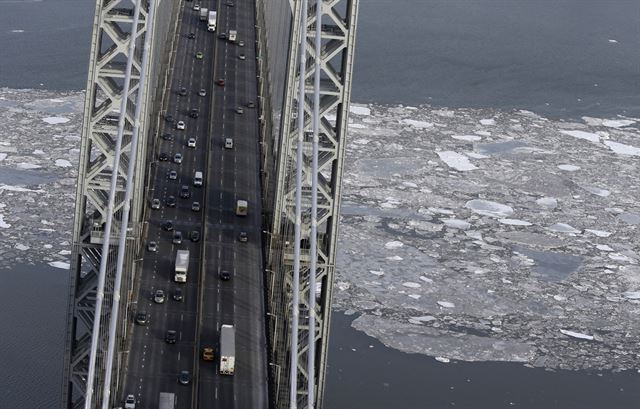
197,179
228,143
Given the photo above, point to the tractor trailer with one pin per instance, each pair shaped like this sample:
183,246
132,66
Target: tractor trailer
204,14
211,25
182,266
227,350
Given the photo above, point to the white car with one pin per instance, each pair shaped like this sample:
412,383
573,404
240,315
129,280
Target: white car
180,125
202,92
130,402
155,204
196,7
177,158
191,143
158,297
152,246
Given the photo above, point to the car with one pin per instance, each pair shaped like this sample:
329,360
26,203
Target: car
202,92
222,36
158,297
184,192
163,157
130,402
225,275
242,57
177,158
183,91
170,337
243,237
173,175
155,204
191,36
142,318
228,143
194,236
191,142
167,136
184,377
177,294
196,6
177,237
251,104
229,4
169,118
199,55
194,113
207,354
170,201
241,43
180,125
195,206
239,110
167,226
152,246
220,82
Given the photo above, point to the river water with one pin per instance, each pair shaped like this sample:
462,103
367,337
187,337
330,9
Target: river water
561,58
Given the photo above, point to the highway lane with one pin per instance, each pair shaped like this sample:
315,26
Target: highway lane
153,364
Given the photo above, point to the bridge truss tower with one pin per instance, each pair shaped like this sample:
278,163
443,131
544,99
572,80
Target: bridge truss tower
302,240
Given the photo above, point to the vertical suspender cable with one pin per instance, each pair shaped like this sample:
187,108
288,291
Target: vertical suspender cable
127,204
311,352
107,229
293,392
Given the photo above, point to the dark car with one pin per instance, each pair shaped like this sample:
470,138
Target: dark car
194,235
167,226
243,237
142,318
171,201
167,136
194,113
251,104
191,35
171,336
183,91
222,36
168,118
225,275
177,237
177,294
184,192
220,82
163,156
184,377
195,206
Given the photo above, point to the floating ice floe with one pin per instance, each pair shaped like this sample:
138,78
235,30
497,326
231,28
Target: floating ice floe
488,121
63,163
603,247
569,168
417,124
394,258
563,228
393,244
377,272
632,295
54,120
577,335
359,110
623,149
468,138
456,161
547,202
476,155
456,224
411,284
60,264
22,247
3,156
514,222
613,41
597,191
609,123
587,136
599,233
442,359
24,165
3,225
425,318
489,208
357,126
446,304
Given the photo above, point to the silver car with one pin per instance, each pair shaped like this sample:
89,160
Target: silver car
155,204
159,297
177,158
152,246
180,125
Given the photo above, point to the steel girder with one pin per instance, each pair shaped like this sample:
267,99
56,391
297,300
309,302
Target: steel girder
113,31
338,24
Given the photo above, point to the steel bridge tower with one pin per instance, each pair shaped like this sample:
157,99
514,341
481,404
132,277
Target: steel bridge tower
124,81
303,165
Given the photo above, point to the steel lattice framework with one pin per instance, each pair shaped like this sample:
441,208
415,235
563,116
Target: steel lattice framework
317,107
118,104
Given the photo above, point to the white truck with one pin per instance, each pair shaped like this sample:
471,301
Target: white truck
182,266
227,350
211,25
204,14
167,400
233,35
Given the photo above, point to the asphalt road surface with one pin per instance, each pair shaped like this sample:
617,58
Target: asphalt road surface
229,175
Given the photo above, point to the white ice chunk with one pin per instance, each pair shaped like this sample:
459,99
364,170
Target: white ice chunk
359,110
456,160
547,202
444,113
623,149
21,247
446,304
559,298
621,257
587,136
425,318
577,335
488,121
599,233
597,191
417,124
63,163
441,211
514,222
617,123
456,224
3,156
483,133
377,272
393,244
411,284
2,223
414,296
489,208
60,264
357,126
563,228
426,279
632,295
569,168
394,258
53,120
604,247
613,41
442,359
64,252
469,138
24,165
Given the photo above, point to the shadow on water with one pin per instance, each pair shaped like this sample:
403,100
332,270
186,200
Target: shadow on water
363,373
